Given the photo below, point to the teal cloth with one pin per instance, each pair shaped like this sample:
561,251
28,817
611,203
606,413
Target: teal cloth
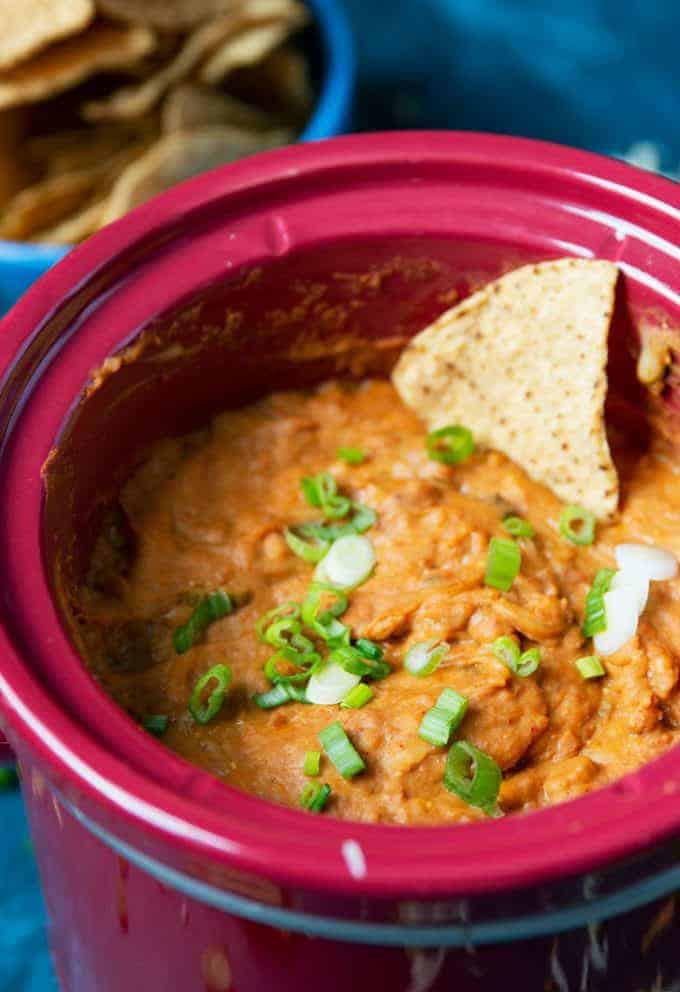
600,74
24,961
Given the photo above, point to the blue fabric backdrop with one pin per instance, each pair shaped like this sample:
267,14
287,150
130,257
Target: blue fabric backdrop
602,74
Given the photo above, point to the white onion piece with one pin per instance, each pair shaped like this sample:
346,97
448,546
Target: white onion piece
621,611
638,584
652,563
329,685
320,571
348,563
423,658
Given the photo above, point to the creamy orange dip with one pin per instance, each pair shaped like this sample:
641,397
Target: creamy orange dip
209,511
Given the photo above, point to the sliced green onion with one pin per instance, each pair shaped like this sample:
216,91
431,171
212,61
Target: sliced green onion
334,633
319,615
279,694
353,456
577,525
213,607
502,563
340,750
315,797
450,444
357,697
507,650
322,491
364,517
330,683
595,619
369,649
473,776
590,667
312,486
8,779
349,657
286,633
443,718
349,562
156,724
276,696
529,662
204,709
287,610
422,658
310,548
306,665
312,765
352,660
518,527
279,632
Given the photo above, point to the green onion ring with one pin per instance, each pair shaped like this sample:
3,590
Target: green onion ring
306,663
353,456
577,525
211,608
590,667
309,548
340,750
278,695
203,711
444,718
473,776
503,562
315,797
518,527
450,445
289,609
595,618
156,724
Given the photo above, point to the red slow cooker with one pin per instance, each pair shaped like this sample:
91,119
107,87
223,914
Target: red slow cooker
274,271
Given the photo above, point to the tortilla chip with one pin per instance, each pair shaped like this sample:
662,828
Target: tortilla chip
83,148
134,101
102,47
522,364
46,203
76,227
280,84
166,15
189,106
27,26
253,43
180,156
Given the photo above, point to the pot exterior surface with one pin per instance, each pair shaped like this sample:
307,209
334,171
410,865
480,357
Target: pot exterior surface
156,874
113,926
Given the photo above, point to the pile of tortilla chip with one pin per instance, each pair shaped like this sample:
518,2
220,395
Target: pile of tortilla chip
105,103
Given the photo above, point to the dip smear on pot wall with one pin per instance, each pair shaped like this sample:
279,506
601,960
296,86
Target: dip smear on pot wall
389,625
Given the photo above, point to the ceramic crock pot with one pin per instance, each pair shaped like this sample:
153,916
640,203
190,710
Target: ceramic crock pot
280,270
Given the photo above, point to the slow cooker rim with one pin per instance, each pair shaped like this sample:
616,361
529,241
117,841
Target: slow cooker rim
386,875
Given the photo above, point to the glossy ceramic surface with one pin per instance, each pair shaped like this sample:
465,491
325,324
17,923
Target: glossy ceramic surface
367,236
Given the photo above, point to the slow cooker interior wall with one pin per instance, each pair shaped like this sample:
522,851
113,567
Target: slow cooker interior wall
346,308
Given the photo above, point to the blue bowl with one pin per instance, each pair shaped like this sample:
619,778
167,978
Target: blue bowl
332,48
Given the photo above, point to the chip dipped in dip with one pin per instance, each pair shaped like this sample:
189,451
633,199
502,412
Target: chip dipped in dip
351,601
